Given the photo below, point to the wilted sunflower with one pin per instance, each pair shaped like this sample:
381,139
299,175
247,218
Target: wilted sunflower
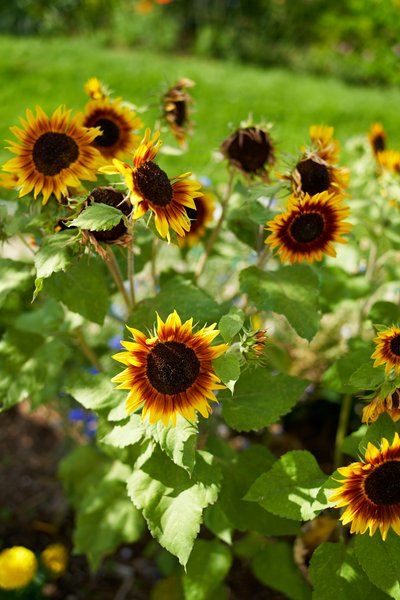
199,219
371,490
54,153
170,372
308,228
390,405
250,149
387,351
117,123
377,138
150,188
327,147
176,102
314,175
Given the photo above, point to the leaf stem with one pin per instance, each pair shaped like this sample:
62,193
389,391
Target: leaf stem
342,429
86,350
116,275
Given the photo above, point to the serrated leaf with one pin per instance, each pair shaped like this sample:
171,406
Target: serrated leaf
274,566
55,254
384,312
335,575
230,324
380,561
178,442
227,368
367,377
94,392
207,567
289,291
83,289
260,399
13,275
290,488
172,502
337,377
97,217
129,434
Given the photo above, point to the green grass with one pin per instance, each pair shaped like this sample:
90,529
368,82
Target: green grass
52,71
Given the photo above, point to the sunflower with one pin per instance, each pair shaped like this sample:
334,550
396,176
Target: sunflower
170,372
327,147
390,405
117,123
308,228
377,138
199,219
55,153
150,188
387,351
176,103
371,490
390,160
250,149
95,89
313,175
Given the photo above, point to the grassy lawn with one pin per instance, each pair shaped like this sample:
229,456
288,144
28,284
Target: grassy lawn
52,71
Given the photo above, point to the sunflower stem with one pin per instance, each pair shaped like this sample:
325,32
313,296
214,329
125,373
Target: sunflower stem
154,248
216,231
116,275
131,272
342,429
86,350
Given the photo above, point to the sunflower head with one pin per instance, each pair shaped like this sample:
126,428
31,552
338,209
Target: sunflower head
387,350
250,149
170,372
371,490
176,102
200,218
314,175
18,566
389,160
95,89
389,404
309,227
53,154
377,138
326,147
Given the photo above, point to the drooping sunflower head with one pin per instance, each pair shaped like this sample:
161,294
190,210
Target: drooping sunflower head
118,124
377,138
53,154
314,175
111,197
95,89
199,217
171,372
151,188
309,227
371,490
176,107
387,351
250,149
326,147
389,405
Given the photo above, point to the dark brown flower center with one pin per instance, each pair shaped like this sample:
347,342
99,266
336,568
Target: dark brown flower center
250,148
396,399
53,152
395,345
382,485
154,184
172,367
110,133
179,112
196,215
314,176
108,195
307,228
378,143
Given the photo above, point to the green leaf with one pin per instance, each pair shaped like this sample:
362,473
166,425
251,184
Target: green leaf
290,488
231,324
218,523
207,567
94,392
227,368
384,312
97,217
55,254
289,291
260,399
178,442
83,289
351,443
336,575
384,426
274,566
366,377
172,502
129,434
380,561
337,377
45,320
13,275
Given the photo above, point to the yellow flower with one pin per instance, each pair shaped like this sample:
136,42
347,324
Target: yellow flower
18,566
327,147
170,372
53,154
95,88
389,405
150,188
199,219
387,351
371,490
55,559
308,228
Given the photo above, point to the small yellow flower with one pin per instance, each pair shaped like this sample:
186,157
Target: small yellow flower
55,559
18,566
387,351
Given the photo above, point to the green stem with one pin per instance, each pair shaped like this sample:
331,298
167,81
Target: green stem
131,272
342,429
154,248
86,350
116,275
215,233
